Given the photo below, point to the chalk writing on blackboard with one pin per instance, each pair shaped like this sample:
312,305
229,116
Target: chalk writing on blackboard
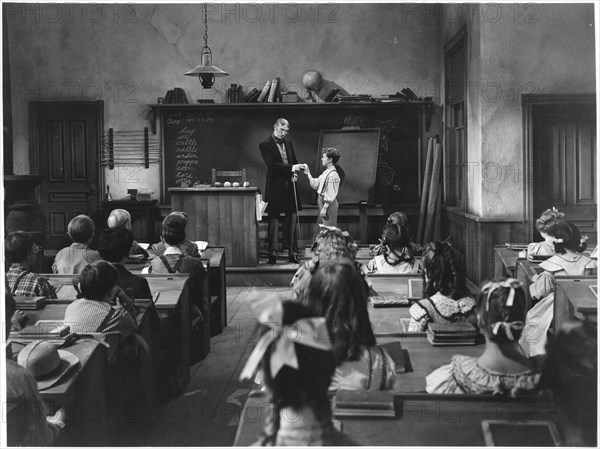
186,154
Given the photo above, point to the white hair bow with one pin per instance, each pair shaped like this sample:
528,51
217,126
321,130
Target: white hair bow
310,332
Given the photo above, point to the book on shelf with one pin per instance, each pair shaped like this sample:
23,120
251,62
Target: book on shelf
364,403
389,301
248,97
331,96
265,91
273,91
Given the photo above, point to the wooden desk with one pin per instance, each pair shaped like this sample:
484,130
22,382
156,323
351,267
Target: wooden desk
505,262
83,395
218,286
574,299
421,419
172,302
224,217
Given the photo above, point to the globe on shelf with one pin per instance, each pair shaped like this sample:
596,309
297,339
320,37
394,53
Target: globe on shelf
226,184
235,184
246,184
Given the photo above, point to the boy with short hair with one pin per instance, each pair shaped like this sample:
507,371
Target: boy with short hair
173,260
20,251
72,259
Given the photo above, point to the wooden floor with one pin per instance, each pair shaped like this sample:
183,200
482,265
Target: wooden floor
207,413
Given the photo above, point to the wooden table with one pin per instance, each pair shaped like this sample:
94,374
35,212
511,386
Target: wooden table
574,299
223,216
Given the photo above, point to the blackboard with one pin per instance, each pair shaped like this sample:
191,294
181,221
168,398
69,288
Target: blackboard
358,158
198,138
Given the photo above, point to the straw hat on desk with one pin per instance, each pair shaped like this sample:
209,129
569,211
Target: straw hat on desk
48,364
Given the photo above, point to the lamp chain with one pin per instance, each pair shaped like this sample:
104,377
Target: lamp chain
205,26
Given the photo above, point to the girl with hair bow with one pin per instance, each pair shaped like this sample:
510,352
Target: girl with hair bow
294,356
503,368
568,260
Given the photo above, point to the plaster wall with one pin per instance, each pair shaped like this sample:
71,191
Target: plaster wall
525,49
130,54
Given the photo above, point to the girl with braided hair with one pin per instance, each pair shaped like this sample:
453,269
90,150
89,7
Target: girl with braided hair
397,255
295,359
502,369
446,299
337,292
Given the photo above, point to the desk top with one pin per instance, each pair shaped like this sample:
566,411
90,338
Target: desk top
214,189
508,257
83,349
579,293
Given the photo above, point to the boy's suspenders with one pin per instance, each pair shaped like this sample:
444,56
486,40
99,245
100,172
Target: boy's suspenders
168,266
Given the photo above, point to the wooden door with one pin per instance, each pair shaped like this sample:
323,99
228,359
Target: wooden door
564,164
66,140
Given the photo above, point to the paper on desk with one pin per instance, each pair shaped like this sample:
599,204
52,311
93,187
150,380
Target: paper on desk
261,206
146,270
144,246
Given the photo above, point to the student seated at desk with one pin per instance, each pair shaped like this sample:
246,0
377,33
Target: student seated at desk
444,288
21,251
546,226
114,246
568,261
27,421
396,256
187,247
502,369
72,259
399,219
104,307
571,372
297,373
337,292
121,219
173,260
331,244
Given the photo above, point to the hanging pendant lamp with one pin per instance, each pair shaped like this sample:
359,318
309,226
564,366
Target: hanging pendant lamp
206,72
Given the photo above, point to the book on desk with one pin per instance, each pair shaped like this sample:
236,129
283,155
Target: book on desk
53,331
450,334
364,403
389,301
30,302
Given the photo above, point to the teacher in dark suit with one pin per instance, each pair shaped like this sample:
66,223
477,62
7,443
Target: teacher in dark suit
282,172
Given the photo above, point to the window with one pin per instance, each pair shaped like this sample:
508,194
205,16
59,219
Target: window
455,130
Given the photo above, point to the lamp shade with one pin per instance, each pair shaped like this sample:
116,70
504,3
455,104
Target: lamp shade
206,72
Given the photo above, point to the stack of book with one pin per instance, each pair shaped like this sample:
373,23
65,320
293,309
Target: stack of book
56,332
251,96
175,96
30,302
234,93
355,98
389,301
451,334
364,403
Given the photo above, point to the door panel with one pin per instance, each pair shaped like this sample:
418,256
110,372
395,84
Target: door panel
564,152
68,149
